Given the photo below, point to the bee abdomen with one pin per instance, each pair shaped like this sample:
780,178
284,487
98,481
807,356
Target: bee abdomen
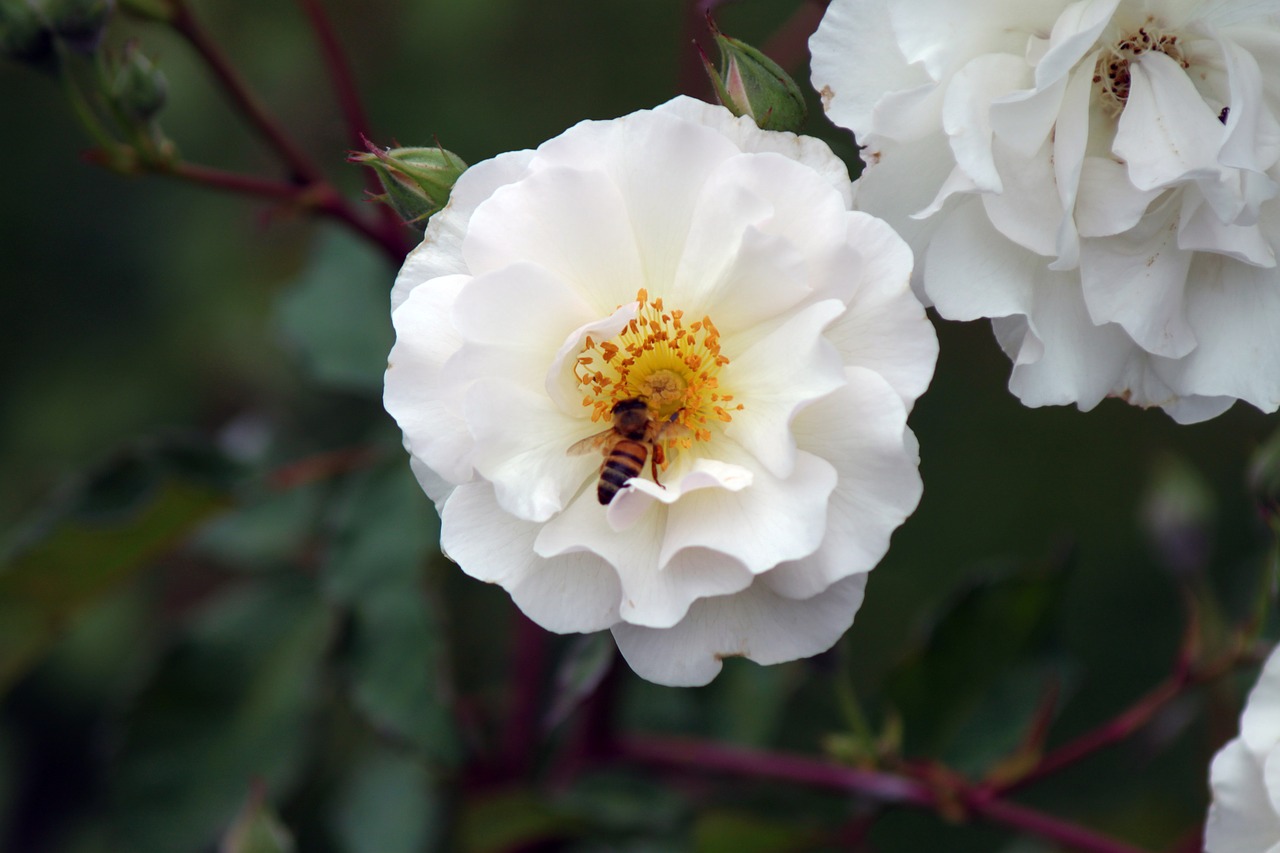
625,461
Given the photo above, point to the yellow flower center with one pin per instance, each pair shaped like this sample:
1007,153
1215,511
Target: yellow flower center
672,365
1112,72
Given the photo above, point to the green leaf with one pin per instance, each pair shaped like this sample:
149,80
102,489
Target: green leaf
390,805
257,829
337,316
984,631
231,703
109,530
999,723
385,532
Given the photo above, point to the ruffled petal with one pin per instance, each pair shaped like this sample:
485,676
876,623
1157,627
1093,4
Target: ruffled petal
655,591
775,520
1241,818
432,422
884,327
782,372
756,624
862,428
568,592
1138,279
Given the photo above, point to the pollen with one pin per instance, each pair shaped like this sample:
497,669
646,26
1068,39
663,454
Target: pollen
670,362
1111,75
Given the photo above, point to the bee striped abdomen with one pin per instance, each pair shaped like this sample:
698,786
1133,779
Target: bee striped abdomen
625,461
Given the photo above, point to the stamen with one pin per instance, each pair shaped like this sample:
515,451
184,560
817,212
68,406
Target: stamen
673,367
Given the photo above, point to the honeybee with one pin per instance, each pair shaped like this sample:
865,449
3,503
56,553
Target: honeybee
635,436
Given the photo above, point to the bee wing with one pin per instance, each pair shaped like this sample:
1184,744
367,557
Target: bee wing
592,443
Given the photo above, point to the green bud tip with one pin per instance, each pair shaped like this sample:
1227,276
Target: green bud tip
417,181
751,84
138,87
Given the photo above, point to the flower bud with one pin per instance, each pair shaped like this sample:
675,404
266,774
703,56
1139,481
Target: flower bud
138,88
1177,517
751,84
24,35
80,23
417,180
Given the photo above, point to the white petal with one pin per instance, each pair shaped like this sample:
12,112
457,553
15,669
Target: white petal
966,112
855,56
899,180
758,218
1138,279
1070,143
1024,120
514,320
529,467
778,375
1200,229
659,163
655,591
1234,311
749,138
414,393
944,34
862,430
772,521
884,328
1260,722
1074,32
1166,132
571,222
1108,203
1029,211
1252,132
756,624
571,592
440,252
1241,818
972,271
1079,362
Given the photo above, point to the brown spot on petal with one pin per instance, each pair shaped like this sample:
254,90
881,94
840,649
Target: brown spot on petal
827,95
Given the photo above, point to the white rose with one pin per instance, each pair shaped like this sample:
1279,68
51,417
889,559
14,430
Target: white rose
1245,776
686,257
1100,177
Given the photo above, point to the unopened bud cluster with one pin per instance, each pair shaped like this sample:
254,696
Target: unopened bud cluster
416,181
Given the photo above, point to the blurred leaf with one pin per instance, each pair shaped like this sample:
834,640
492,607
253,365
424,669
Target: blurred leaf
729,832
389,806
265,531
385,531
107,531
621,804
338,314
999,723
979,635
583,667
232,703
257,829
505,820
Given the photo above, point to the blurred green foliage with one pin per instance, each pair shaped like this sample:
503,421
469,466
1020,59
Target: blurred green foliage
223,614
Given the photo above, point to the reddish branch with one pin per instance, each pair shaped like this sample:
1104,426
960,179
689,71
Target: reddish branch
310,189
891,788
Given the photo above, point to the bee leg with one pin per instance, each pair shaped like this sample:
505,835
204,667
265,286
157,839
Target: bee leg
658,457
